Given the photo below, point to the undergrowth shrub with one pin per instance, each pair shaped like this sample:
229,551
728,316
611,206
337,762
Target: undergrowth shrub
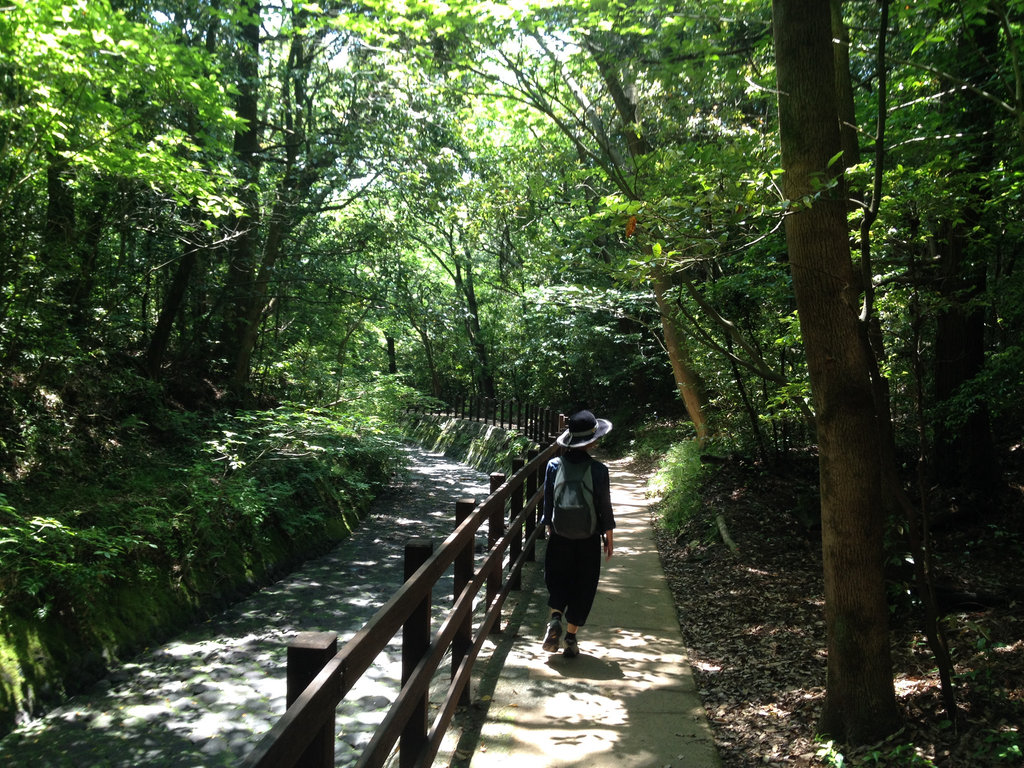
678,480
286,472
646,443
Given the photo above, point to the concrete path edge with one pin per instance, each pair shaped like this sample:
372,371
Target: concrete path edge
629,699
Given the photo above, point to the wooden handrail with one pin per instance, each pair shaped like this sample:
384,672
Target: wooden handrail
313,710
535,422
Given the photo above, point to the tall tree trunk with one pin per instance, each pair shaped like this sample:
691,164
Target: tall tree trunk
60,203
428,351
294,183
389,342
59,234
174,299
88,249
860,701
243,230
895,499
965,455
748,406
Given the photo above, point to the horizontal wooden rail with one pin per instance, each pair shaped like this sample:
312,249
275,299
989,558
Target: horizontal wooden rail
297,739
535,422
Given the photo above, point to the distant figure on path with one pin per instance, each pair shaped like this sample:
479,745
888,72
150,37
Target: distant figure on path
578,516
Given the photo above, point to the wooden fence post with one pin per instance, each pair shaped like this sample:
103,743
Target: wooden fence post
308,652
515,506
534,516
495,530
415,643
463,574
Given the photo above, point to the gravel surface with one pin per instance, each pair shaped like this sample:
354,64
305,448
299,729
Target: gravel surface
205,698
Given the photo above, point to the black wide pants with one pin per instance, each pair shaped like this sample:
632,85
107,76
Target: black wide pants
572,568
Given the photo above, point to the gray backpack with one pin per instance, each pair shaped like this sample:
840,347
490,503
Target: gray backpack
573,515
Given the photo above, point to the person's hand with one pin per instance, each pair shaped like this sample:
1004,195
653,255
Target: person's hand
609,545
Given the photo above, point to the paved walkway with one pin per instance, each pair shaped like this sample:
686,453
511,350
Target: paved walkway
628,700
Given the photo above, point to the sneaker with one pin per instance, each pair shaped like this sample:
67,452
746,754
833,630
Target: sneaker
554,635
572,648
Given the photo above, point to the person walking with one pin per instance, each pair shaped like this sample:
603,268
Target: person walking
580,522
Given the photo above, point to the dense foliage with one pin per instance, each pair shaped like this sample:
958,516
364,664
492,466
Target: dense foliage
245,205
208,213
174,515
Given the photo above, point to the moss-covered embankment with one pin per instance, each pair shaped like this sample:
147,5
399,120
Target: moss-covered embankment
194,547
484,446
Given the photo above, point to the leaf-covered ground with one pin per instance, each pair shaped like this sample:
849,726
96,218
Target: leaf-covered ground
753,622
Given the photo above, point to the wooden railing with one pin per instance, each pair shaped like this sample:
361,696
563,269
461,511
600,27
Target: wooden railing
319,677
535,422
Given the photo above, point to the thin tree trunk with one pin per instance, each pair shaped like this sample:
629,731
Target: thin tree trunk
844,86
428,350
59,234
687,380
465,285
60,203
389,342
895,498
748,406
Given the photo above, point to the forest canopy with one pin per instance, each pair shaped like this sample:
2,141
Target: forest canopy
547,202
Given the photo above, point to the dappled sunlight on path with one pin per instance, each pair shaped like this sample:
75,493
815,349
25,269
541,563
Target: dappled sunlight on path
628,700
205,698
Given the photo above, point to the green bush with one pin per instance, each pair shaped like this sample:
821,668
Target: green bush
678,481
